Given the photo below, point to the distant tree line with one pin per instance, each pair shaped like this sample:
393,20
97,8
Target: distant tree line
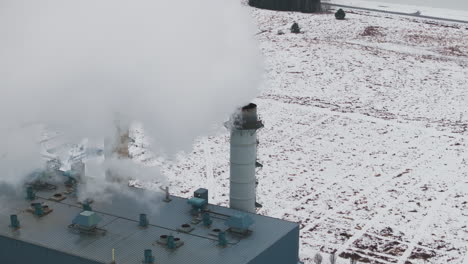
306,6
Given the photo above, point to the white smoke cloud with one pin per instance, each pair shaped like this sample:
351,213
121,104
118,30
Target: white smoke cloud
179,67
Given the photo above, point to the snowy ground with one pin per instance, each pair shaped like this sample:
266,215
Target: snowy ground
365,138
424,10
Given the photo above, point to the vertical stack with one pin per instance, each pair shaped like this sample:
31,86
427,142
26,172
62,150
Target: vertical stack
243,162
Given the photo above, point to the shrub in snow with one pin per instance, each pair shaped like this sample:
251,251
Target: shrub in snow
340,14
295,28
318,258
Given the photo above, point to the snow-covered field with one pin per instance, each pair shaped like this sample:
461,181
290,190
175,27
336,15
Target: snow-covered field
365,138
453,13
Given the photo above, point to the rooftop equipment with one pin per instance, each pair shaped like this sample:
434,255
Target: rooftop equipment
149,259
170,242
240,223
14,222
83,242
167,196
243,162
86,222
222,241
186,228
143,221
198,205
201,193
38,209
87,219
87,206
30,194
206,219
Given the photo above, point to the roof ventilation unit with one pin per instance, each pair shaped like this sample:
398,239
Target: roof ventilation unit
222,241
86,206
30,194
206,219
201,193
86,222
198,205
39,209
185,228
57,197
170,242
14,222
143,223
240,224
149,258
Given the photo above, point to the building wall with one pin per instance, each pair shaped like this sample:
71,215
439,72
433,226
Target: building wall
306,6
14,251
284,251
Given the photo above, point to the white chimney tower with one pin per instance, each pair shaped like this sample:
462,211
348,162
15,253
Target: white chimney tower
243,162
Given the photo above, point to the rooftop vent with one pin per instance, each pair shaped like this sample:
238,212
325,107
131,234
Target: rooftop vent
222,241
30,194
39,209
185,228
14,222
86,206
167,196
198,205
57,197
201,193
170,242
143,221
149,259
240,224
207,219
215,232
86,222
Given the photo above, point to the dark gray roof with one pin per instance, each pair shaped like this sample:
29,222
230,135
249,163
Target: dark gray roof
120,219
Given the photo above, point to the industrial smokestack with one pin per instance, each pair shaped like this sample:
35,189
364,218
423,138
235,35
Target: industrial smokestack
243,162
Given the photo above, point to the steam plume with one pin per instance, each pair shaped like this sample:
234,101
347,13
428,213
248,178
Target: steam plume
179,67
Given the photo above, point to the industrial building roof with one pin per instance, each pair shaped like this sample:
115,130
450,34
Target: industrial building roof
120,219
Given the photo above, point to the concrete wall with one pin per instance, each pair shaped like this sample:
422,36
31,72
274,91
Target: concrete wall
284,251
14,251
306,6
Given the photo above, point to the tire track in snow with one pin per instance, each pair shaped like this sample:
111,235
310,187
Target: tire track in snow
302,132
371,189
379,213
363,117
424,224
